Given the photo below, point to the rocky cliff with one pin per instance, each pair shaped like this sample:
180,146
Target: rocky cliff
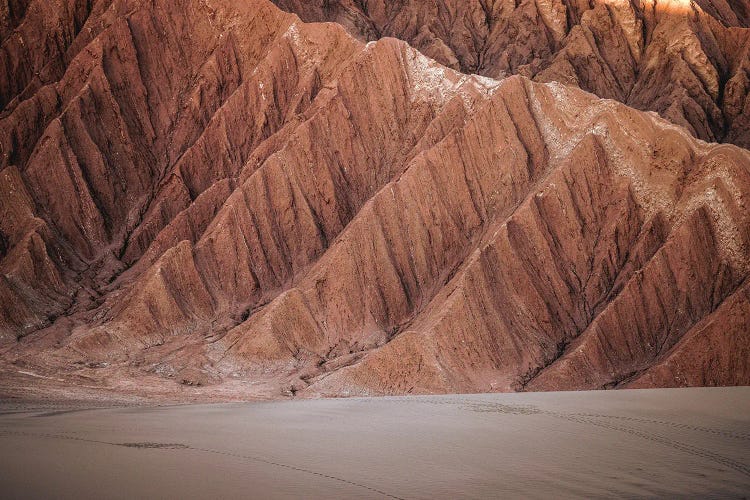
217,194
687,60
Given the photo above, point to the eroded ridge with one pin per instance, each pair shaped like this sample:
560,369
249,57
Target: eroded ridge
236,202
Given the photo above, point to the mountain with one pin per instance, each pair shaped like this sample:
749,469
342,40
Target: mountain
687,60
215,198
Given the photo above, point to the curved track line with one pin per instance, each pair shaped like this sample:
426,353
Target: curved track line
172,446
677,445
676,425
590,419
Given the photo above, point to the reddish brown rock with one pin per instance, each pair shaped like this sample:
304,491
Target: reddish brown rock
685,59
219,194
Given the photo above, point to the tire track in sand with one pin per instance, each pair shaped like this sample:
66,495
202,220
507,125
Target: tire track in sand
592,419
677,445
179,446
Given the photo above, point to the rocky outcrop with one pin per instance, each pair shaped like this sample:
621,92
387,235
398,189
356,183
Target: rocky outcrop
685,59
213,193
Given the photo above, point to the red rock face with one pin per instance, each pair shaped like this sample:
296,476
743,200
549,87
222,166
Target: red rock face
216,193
687,60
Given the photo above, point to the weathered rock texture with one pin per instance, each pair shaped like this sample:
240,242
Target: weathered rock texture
217,194
687,60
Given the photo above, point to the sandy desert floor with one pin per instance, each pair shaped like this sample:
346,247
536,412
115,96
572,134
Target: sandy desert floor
664,442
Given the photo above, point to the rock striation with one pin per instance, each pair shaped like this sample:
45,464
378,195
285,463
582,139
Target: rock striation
688,60
217,196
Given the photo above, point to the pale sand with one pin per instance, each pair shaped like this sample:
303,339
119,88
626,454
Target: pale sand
666,442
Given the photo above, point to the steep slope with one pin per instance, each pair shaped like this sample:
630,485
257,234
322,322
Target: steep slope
605,223
92,146
686,59
220,195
